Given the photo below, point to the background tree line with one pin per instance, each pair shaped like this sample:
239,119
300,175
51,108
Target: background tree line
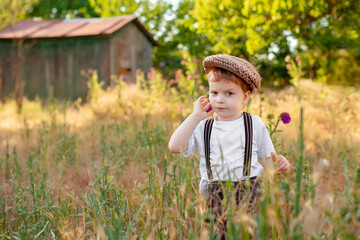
323,33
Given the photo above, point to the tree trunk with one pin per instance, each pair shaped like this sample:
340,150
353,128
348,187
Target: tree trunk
312,72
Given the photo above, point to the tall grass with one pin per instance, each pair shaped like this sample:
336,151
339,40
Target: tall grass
102,169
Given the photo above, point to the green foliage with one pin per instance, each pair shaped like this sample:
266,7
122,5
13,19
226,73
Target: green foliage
105,8
191,83
295,69
180,38
325,34
12,11
254,28
49,9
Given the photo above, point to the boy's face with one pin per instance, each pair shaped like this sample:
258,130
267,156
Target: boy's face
227,99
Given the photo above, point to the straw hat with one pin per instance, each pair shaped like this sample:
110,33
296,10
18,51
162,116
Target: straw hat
238,66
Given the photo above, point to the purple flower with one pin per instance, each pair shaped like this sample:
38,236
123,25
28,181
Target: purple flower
285,117
198,61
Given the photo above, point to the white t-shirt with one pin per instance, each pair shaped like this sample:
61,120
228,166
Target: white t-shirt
227,149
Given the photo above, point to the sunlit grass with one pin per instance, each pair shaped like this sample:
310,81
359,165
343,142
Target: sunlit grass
101,169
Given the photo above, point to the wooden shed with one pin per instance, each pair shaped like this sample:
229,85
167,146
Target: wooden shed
38,58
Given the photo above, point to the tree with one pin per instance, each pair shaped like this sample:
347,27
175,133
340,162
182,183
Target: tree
180,37
263,27
50,9
12,11
106,8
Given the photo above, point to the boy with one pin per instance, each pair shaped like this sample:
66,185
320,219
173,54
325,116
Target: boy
233,141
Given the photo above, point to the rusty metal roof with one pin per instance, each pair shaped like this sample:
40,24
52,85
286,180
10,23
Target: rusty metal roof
80,27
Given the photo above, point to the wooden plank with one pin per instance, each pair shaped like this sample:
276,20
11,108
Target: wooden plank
1,80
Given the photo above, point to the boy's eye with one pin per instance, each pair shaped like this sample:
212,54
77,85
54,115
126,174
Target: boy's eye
229,93
214,92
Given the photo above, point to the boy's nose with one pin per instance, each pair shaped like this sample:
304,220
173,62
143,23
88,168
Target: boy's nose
219,99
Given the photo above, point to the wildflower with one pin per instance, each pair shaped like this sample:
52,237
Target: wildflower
288,66
177,74
189,77
196,73
287,58
124,79
182,62
198,61
152,69
285,117
173,81
297,59
149,75
90,71
202,87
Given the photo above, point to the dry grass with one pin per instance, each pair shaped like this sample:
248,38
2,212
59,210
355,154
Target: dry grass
115,146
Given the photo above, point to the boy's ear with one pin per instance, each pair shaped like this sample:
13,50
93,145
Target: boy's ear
246,97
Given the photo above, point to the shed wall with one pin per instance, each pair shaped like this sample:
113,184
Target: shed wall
53,66
130,50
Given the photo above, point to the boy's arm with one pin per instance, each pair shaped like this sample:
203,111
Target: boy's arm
179,139
279,161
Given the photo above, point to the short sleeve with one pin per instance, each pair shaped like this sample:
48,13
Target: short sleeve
192,146
194,140
265,144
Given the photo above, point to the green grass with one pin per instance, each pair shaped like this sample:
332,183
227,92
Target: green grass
59,181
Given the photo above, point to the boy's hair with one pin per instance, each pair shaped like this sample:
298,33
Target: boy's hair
216,74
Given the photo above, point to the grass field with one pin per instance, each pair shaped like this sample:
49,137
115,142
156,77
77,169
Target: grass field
102,170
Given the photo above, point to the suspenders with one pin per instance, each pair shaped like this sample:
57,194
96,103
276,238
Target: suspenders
248,144
207,134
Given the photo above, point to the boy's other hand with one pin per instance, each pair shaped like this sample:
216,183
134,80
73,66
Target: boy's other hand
282,164
203,108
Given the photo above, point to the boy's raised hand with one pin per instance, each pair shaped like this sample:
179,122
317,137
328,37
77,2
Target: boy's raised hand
282,164
203,108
